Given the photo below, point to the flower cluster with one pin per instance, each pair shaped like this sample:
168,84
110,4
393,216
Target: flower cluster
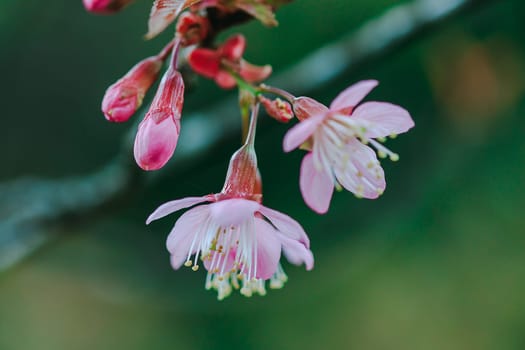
232,234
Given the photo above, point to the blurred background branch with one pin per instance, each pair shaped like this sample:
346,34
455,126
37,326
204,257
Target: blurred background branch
31,209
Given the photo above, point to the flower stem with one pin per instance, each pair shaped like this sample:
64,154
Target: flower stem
250,138
276,91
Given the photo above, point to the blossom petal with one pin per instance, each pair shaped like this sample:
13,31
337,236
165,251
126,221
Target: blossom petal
233,47
163,13
384,119
181,236
172,206
286,225
268,249
351,96
296,252
230,212
301,132
305,107
361,174
316,185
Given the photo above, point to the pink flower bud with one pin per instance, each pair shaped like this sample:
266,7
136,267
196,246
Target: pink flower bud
158,133
105,6
192,28
125,96
277,109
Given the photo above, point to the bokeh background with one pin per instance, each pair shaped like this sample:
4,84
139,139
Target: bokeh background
438,262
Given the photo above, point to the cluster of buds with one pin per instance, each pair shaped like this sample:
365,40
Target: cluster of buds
238,240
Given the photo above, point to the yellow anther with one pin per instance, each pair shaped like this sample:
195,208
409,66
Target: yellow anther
394,157
195,267
188,263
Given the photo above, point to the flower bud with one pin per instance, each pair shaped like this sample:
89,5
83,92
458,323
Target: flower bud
125,96
105,6
277,109
158,133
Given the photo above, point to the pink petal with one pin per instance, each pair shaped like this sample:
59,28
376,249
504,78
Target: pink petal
225,80
366,178
172,206
351,96
233,47
268,249
384,119
163,13
206,62
296,252
297,135
181,236
286,225
231,212
252,73
218,260
306,107
316,185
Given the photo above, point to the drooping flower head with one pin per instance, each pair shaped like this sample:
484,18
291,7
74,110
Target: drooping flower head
337,139
158,133
219,64
238,240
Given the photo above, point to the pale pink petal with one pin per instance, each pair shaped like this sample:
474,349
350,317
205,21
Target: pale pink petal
181,236
218,261
172,206
384,119
306,107
286,225
296,252
163,13
316,185
268,249
230,212
351,96
362,174
301,132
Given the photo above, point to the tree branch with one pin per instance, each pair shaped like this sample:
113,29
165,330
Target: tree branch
31,208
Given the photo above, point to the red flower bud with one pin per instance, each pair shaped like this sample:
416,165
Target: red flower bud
125,96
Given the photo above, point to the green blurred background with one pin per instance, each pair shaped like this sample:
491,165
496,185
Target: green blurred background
438,262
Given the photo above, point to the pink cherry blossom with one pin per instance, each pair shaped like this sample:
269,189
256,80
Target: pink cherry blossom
238,241
337,138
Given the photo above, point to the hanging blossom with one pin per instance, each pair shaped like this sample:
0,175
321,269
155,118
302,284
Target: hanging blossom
238,240
337,139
